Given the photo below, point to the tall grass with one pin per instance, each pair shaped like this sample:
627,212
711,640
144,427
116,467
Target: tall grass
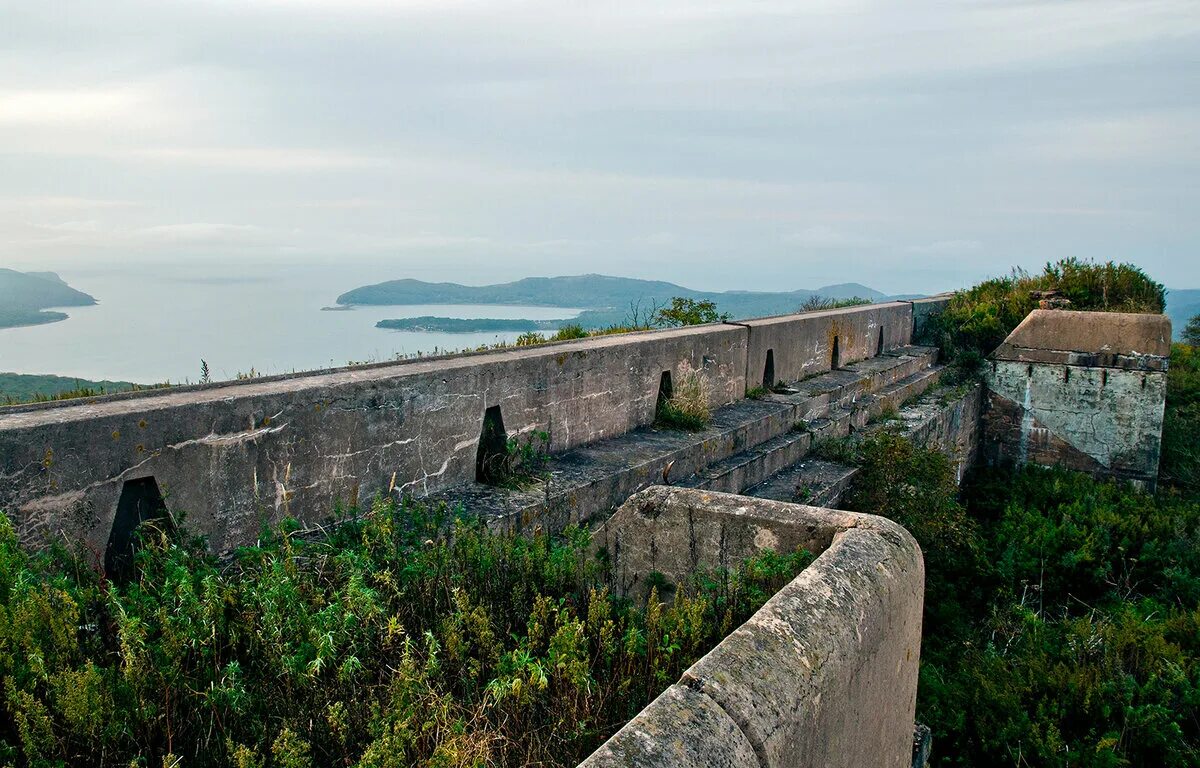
410,637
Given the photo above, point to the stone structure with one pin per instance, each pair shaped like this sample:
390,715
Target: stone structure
1082,390
825,674
238,455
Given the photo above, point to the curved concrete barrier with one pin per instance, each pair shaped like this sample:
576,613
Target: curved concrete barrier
824,674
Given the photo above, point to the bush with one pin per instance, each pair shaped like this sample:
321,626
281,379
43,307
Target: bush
530,339
409,637
1180,463
568,332
977,320
1062,614
817,302
688,312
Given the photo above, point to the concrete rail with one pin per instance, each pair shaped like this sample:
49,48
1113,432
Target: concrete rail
825,674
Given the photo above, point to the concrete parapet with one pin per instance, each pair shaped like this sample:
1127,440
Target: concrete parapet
925,309
793,347
239,455
825,674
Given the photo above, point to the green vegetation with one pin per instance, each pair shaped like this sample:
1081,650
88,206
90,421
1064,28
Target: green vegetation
522,463
687,408
1191,332
818,302
1062,614
683,311
1183,304
405,638
1180,462
25,295
978,320
33,388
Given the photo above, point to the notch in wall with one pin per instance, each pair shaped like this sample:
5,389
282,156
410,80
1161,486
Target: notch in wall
493,447
665,390
835,355
140,502
768,379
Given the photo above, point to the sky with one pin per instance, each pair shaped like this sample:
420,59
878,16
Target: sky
913,147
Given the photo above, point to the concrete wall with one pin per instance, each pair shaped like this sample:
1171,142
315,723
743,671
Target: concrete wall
803,345
825,674
923,310
235,456
1107,421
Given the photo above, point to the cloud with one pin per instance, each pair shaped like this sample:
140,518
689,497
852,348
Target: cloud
771,142
946,247
825,237
66,106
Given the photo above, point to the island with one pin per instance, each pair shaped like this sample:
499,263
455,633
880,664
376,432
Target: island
604,301
429,323
25,297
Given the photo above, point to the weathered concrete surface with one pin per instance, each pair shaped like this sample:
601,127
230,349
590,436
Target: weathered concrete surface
237,455
947,420
1099,339
1107,421
825,673
803,345
924,310
746,441
1082,390
680,728
240,455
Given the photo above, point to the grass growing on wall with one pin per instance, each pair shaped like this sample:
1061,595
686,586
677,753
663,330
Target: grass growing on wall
687,408
407,638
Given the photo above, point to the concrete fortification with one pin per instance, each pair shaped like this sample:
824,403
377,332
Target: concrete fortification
825,673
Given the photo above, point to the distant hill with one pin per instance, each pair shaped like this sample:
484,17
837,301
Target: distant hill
23,387
608,299
1182,305
24,297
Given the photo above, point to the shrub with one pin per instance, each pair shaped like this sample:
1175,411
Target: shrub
817,302
687,407
1191,332
569,331
688,312
1062,614
530,339
1180,463
977,320
407,637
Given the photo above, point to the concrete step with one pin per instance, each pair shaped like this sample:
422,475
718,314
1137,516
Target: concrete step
891,398
816,482
846,386
747,468
746,442
943,417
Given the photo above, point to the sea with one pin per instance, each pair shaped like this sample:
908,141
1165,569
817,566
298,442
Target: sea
157,324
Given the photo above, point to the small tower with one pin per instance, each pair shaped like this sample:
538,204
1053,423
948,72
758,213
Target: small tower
1081,390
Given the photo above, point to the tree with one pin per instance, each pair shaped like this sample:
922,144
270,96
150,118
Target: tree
688,312
1191,331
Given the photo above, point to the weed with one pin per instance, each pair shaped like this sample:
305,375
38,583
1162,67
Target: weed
687,408
410,636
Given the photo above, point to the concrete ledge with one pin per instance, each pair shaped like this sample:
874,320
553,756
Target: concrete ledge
825,674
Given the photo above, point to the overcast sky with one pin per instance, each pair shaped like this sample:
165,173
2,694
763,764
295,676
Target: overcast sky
911,146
